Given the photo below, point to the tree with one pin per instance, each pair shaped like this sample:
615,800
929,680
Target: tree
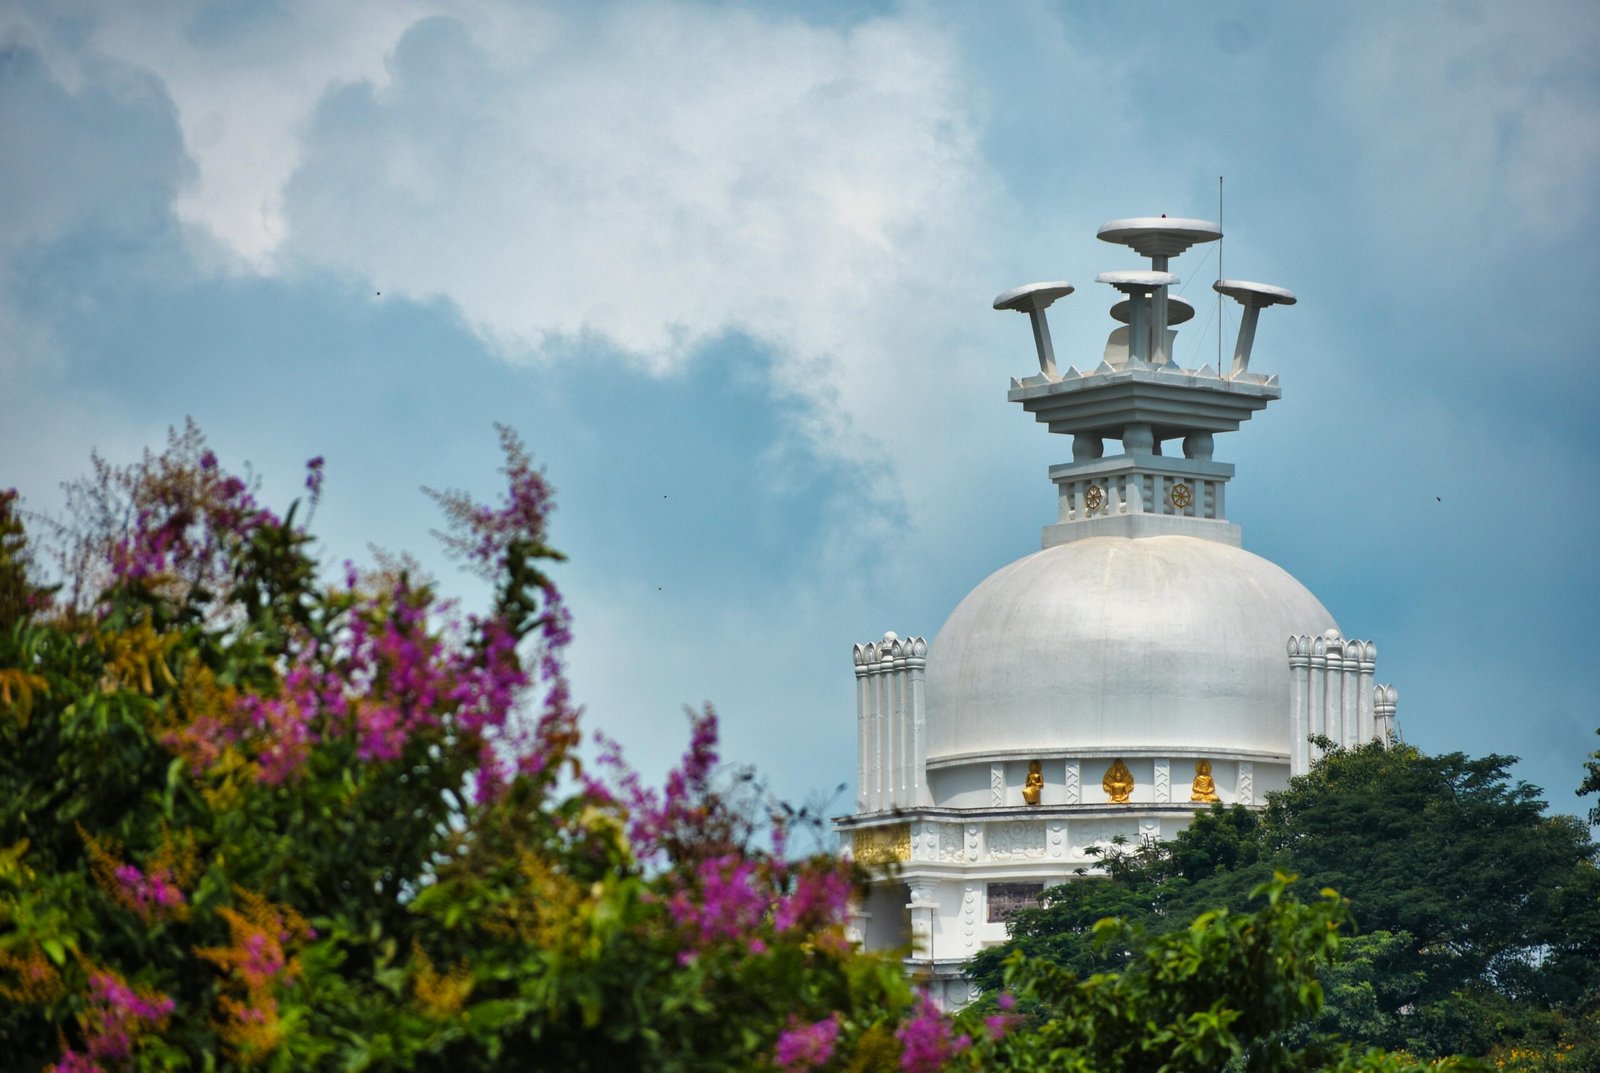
1466,894
1591,783
1226,991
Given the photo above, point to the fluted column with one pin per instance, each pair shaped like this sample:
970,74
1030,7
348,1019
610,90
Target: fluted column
898,733
1350,694
891,723
1333,705
864,744
886,727
1385,700
1364,713
923,906
1299,705
1317,688
916,666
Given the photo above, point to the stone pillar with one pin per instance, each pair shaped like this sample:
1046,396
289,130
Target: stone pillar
1299,705
902,727
923,905
916,667
865,747
886,728
855,923
1350,694
1385,700
891,724
1333,705
1316,687
1366,723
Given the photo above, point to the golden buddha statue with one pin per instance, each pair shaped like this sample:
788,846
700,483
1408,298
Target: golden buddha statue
1205,787
1118,783
1034,783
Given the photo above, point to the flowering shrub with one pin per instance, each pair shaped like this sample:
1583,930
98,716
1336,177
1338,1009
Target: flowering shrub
253,819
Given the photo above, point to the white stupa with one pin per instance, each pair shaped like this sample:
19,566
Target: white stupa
1139,667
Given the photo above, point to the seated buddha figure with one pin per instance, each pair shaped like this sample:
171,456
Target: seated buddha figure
1118,783
1034,783
1205,787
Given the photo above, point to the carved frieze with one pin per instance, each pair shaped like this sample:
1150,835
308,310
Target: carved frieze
950,843
1016,840
882,845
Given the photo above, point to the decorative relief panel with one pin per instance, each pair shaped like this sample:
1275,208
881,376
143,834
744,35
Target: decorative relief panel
881,845
1016,840
997,784
1099,834
1058,839
1163,780
1074,793
1246,793
1149,830
950,842
974,839
1004,899
969,914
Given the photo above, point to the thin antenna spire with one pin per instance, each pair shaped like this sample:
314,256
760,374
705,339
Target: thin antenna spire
1220,273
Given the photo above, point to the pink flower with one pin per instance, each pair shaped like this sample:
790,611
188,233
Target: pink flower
731,902
150,894
998,1024
802,1047
117,1016
926,1044
818,900
73,1062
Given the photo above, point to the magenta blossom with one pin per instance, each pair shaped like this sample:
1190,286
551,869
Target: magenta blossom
998,1024
732,902
150,895
117,1016
926,1040
802,1047
818,901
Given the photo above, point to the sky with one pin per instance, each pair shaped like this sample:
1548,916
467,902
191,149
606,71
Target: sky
727,268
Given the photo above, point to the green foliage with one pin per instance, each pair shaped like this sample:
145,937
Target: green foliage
1591,783
1468,898
1226,991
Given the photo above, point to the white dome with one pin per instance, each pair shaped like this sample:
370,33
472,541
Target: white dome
1171,643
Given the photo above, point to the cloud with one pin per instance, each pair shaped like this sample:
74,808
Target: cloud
630,184
1476,123
658,177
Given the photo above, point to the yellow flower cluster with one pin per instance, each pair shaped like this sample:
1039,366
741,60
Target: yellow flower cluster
1534,1060
137,657
157,889
17,688
439,994
547,912
37,981
259,965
